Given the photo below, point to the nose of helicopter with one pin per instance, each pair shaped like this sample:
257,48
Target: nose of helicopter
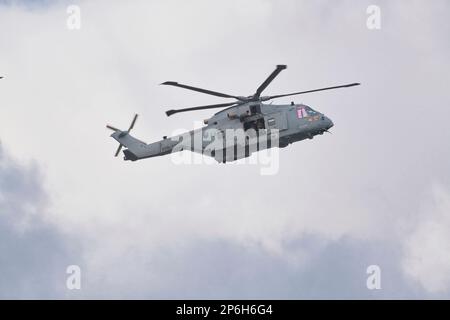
327,123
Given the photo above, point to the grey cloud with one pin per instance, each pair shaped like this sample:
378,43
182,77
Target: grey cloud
226,270
33,254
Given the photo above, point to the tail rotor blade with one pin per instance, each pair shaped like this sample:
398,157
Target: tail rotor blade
133,122
112,128
118,150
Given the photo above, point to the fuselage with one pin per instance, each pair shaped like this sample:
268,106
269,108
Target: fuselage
241,126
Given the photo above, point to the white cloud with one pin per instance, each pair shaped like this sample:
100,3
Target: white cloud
427,249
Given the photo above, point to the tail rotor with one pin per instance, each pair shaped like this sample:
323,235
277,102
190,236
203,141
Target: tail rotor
122,133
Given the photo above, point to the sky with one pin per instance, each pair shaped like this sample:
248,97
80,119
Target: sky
374,192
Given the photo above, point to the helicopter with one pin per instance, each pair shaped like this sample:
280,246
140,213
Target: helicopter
253,124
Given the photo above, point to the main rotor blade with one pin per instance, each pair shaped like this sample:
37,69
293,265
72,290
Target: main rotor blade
133,122
213,93
212,106
269,80
118,150
302,92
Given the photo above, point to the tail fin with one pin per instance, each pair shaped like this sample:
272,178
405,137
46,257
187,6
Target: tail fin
125,139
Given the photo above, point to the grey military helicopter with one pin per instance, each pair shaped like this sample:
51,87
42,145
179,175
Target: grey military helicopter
279,125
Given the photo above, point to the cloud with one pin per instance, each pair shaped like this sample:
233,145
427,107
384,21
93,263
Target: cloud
33,253
427,252
338,203
222,269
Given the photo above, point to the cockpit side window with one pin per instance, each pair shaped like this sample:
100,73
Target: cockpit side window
310,111
301,112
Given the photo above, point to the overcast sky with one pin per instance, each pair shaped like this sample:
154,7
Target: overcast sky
375,192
